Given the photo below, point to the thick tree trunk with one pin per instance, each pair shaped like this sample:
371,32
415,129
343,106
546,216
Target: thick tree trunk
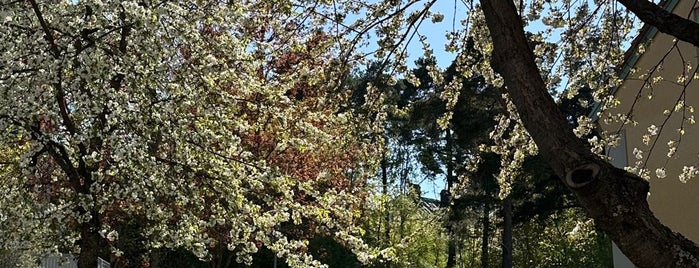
90,243
507,232
485,242
453,217
451,252
155,258
614,198
486,234
666,22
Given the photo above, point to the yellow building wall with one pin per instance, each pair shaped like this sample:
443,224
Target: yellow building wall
675,203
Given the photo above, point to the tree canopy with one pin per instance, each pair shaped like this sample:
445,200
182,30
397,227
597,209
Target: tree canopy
236,126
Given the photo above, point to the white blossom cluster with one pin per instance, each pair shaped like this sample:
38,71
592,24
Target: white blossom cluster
513,144
568,59
181,115
581,46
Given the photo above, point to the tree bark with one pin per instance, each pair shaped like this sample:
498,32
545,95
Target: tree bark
666,22
507,232
451,252
155,258
486,229
614,198
90,243
453,217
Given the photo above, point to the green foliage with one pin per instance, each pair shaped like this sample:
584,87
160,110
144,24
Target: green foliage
18,259
177,258
332,253
417,238
323,248
566,239
539,193
541,203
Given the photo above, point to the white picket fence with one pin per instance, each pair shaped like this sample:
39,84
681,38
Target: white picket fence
67,261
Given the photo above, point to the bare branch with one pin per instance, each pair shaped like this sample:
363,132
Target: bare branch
666,22
48,34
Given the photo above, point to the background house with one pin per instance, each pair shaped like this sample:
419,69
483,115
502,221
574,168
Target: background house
663,110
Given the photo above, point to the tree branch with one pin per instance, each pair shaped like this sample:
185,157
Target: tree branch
666,22
62,106
48,34
125,31
614,198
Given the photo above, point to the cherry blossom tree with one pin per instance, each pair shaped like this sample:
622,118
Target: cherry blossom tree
215,124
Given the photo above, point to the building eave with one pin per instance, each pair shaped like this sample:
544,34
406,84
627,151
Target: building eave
632,56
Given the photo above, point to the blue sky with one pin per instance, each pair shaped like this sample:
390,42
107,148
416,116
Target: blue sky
454,12
436,32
